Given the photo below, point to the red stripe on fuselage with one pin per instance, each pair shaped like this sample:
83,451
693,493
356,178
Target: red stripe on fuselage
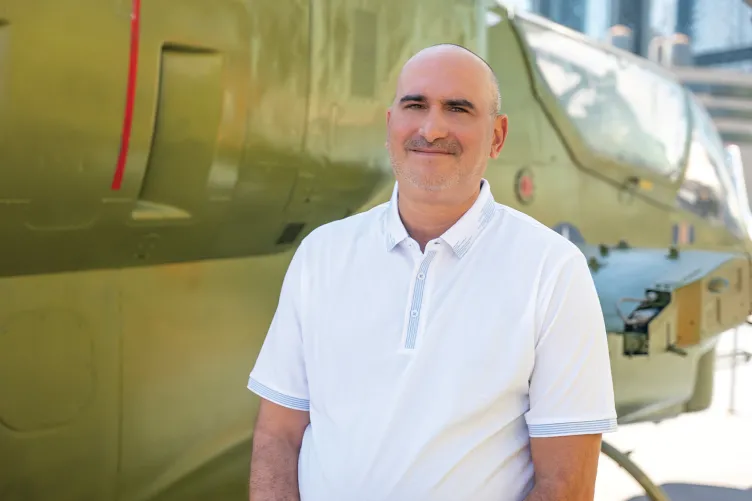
130,96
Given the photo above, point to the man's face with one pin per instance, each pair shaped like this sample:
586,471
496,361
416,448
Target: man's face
442,127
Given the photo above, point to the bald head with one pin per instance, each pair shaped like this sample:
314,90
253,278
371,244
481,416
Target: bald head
461,59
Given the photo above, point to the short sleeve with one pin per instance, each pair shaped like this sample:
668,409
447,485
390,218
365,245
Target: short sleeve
571,389
279,374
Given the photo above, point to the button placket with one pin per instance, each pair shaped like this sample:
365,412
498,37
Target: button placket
416,303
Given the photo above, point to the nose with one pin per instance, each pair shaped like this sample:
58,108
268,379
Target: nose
434,126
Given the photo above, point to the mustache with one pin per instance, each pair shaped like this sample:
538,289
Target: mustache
438,146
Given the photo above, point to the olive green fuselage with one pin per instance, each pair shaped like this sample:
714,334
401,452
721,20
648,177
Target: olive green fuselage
132,308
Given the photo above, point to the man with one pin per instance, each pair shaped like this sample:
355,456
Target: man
439,347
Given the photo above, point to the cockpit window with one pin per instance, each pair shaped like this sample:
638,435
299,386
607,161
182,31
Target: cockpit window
708,188
621,108
736,169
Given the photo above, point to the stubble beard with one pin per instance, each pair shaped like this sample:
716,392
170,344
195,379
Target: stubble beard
432,183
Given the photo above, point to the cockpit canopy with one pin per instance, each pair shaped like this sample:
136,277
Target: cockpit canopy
628,111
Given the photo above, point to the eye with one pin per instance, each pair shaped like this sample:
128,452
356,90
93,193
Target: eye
457,108
414,105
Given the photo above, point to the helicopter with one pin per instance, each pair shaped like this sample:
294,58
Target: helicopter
160,162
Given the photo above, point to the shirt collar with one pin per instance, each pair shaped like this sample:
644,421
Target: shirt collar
460,236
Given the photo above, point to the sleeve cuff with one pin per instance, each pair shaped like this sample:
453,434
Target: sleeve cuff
264,391
573,428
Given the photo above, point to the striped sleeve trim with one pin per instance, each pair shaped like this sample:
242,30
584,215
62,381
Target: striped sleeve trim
572,428
264,391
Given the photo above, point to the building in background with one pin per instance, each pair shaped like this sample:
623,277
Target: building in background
570,13
719,31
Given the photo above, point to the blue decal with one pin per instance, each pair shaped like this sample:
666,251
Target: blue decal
683,233
570,232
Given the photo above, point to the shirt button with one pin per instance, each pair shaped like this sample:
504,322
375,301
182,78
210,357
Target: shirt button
414,313
421,276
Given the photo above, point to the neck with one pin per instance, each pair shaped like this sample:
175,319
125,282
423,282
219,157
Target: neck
426,220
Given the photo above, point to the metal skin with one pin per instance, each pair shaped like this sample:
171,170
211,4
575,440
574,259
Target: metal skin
160,161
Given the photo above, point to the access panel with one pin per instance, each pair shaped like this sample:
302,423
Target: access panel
187,124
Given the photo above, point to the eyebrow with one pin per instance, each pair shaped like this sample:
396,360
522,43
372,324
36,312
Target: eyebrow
448,102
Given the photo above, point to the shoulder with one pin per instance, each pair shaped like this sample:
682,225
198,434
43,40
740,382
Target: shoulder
544,259
557,268
354,227
346,234
534,238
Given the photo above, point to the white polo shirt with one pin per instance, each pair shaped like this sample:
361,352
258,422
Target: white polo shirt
426,373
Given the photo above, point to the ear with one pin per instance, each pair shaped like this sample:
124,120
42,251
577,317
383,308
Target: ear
501,126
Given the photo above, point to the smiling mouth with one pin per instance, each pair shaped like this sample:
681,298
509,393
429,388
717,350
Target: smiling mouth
429,152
